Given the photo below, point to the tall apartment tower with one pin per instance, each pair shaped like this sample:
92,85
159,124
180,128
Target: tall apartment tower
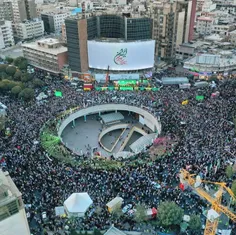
23,10
173,24
12,212
6,10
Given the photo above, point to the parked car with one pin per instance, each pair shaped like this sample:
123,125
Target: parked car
127,208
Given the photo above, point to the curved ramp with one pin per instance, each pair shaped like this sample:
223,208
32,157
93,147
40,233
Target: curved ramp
144,141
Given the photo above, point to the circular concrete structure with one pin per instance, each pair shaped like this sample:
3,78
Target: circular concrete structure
82,131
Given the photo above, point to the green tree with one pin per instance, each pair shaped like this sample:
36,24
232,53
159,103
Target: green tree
9,60
19,60
23,65
16,90
233,187
17,75
6,85
25,77
195,223
140,214
27,94
3,67
10,70
37,82
4,75
229,171
117,213
170,214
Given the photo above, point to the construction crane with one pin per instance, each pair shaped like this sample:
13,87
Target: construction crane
212,223
107,76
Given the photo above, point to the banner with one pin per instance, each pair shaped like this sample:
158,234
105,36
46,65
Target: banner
58,93
199,97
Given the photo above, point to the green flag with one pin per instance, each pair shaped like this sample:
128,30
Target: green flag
199,97
58,93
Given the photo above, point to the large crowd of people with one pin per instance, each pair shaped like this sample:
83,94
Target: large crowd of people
206,146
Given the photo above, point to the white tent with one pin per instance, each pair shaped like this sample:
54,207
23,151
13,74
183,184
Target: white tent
77,204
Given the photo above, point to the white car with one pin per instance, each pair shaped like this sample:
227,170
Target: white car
127,208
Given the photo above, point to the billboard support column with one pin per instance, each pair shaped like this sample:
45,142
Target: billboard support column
85,118
73,122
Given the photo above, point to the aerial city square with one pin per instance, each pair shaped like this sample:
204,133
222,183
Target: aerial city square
117,117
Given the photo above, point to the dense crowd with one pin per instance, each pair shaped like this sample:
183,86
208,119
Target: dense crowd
206,147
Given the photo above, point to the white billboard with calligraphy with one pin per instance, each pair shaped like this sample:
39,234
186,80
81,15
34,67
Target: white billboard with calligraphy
121,55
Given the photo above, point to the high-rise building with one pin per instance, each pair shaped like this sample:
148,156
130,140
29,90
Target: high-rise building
6,10
6,34
53,21
12,213
30,29
78,31
173,24
23,10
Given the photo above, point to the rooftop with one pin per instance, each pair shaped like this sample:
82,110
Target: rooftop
205,18
114,231
48,41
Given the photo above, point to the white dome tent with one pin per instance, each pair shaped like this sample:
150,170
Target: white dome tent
77,204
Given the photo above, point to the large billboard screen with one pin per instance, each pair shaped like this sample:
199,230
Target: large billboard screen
121,55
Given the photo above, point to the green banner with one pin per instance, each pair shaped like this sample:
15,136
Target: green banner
155,89
111,88
199,97
58,93
126,88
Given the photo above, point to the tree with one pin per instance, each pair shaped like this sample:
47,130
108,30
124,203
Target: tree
37,82
10,70
17,75
229,171
169,214
25,77
23,65
9,60
140,214
27,94
6,85
19,60
233,187
195,223
3,67
16,90
117,212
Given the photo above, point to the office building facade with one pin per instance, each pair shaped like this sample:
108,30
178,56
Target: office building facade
30,29
173,24
78,31
6,34
6,12
53,21
47,54
23,10
12,212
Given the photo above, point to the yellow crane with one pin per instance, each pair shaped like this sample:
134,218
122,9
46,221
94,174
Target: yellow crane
211,224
